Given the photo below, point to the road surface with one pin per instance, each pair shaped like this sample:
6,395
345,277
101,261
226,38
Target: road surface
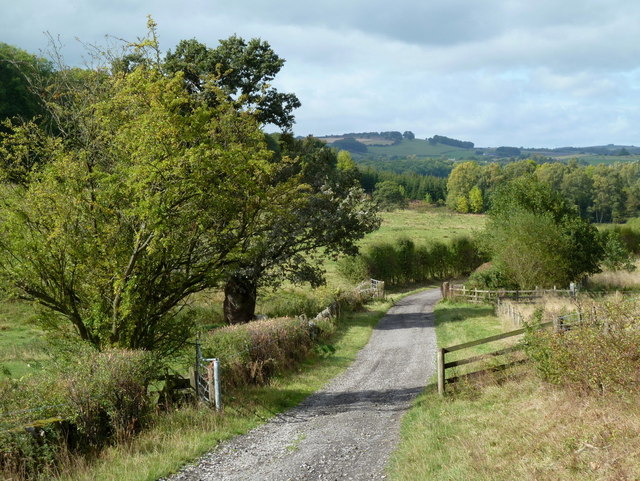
347,430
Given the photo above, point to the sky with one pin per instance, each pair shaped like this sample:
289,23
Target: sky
524,73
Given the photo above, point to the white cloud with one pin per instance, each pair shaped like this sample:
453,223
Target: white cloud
494,72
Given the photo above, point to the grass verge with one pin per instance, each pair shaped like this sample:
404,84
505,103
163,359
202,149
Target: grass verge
519,429
183,435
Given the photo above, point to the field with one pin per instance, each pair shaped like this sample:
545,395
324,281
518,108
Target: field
22,345
425,224
599,159
420,148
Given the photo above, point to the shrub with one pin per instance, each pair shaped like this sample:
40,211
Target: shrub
599,354
403,262
107,394
252,353
82,402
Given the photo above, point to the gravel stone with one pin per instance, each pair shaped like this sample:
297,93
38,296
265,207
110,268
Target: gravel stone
347,430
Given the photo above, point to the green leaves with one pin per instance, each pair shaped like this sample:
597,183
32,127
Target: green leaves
145,198
536,239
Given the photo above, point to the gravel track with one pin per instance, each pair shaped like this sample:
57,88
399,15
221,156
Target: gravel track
347,430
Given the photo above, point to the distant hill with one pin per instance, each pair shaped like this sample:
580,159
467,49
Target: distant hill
394,145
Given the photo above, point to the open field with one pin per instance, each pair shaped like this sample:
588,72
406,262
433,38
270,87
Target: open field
424,224
421,148
22,343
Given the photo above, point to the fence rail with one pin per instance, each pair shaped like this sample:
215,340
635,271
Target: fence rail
559,323
450,291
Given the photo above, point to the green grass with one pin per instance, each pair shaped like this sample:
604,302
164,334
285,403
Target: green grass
518,428
182,436
418,147
424,225
458,322
22,344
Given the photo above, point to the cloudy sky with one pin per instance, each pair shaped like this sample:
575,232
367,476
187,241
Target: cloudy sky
532,73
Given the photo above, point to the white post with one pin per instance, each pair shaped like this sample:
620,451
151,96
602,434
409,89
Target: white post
216,382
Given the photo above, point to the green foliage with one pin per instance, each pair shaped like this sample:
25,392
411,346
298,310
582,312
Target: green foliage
84,401
463,178
19,71
325,216
242,69
345,162
476,201
350,144
143,200
441,139
390,195
252,353
416,185
536,239
491,277
289,302
616,255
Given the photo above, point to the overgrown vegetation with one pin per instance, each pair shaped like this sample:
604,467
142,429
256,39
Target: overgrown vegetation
597,354
83,401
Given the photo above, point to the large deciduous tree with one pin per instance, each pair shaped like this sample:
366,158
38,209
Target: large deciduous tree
328,216
242,70
329,211
148,194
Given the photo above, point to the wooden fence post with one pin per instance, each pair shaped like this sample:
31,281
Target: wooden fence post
440,362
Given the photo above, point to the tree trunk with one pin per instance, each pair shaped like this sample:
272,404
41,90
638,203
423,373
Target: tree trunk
239,300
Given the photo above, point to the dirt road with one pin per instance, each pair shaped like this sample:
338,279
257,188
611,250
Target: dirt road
347,430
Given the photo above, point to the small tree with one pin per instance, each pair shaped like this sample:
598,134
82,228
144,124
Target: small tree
536,239
390,195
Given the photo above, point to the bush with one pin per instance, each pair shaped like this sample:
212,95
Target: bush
254,352
490,277
107,394
600,354
403,262
84,401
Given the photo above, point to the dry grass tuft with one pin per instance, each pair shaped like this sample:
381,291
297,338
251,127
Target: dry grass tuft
611,280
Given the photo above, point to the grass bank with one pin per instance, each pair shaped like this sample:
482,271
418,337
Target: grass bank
519,429
182,436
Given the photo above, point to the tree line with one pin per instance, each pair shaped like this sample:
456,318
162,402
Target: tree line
601,193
